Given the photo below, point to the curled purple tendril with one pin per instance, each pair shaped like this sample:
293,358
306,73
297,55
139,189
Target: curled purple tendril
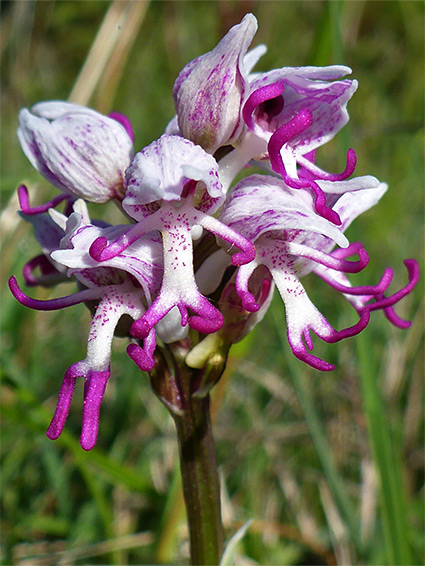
26,208
381,302
375,290
97,247
283,135
46,268
142,358
100,250
248,301
246,256
269,97
352,249
350,165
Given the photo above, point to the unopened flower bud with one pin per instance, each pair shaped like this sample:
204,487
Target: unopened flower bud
78,150
210,90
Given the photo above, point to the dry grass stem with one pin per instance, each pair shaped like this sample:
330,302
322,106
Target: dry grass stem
123,16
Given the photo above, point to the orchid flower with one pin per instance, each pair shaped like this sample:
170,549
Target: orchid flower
282,115
291,240
288,115
122,286
173,187
81,152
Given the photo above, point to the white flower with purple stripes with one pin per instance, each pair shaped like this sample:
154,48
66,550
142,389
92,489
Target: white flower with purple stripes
81,152
292,240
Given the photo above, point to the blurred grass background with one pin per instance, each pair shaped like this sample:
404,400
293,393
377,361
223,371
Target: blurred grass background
329,466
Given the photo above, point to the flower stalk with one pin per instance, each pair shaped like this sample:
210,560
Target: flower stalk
200,482
184,392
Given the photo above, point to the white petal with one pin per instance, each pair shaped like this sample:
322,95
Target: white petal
80,151
161,170
170,328
350,205
172,128
355,184
211,272
253,56
210,90
262,204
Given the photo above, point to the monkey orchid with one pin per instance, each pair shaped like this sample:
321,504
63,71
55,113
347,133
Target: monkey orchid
195,260
280,116
292,240
123,285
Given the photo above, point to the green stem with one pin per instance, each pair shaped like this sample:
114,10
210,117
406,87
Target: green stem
200,481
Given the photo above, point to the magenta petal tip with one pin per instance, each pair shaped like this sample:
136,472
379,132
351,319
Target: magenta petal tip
140,328
140,357
97,248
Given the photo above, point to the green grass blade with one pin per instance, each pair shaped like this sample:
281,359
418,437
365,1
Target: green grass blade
387,460
321,444
37,418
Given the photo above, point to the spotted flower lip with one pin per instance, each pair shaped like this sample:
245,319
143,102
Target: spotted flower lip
81,152
173,188
291,240
209,91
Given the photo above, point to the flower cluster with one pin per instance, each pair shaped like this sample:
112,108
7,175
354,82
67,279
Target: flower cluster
195,250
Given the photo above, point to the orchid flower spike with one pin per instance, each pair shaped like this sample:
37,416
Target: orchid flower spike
81,152
292,240
173,187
